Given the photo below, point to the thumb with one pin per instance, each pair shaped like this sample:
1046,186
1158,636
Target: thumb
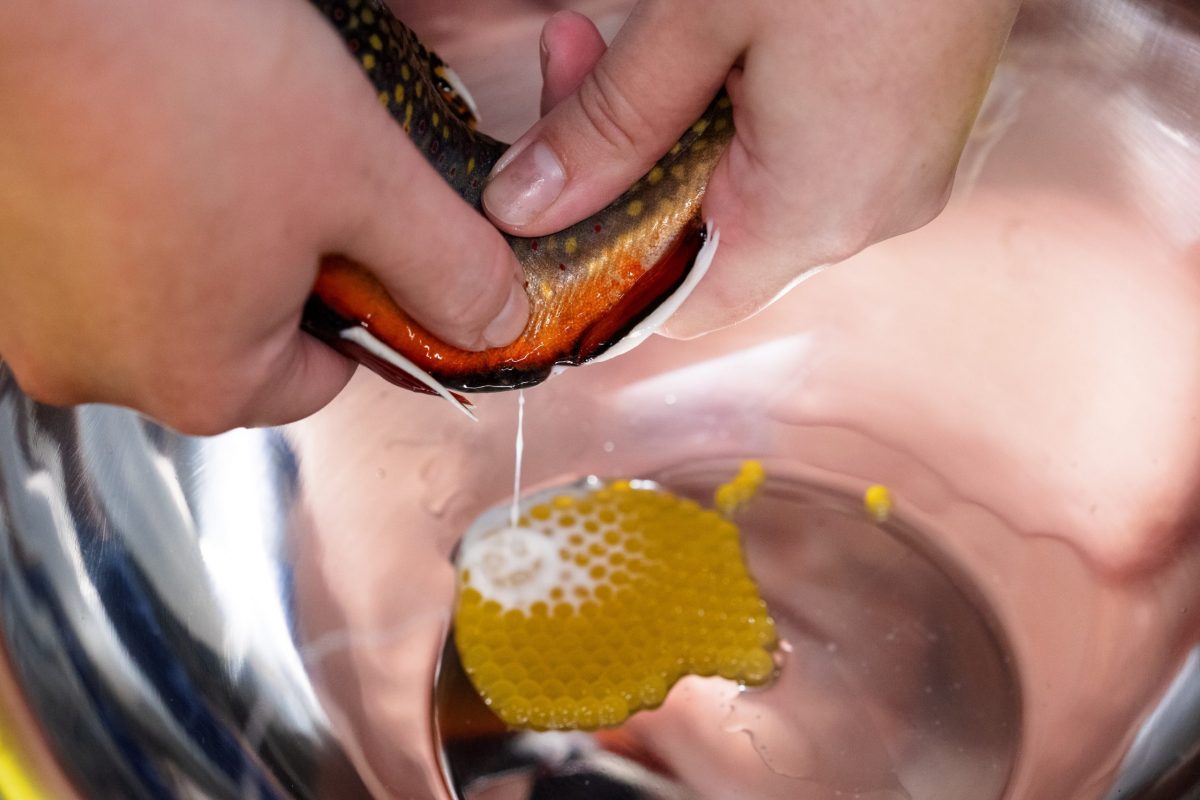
662,70
441,260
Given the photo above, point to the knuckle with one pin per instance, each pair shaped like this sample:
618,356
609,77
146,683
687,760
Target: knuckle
609,112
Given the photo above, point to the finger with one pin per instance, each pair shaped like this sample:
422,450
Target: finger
664,67
571,45
307,376
442,261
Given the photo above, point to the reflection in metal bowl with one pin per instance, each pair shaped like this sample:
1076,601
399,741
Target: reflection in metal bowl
147,606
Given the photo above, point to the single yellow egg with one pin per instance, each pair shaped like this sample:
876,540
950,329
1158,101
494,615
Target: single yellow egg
878,502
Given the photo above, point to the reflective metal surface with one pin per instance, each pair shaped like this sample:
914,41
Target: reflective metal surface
1164,761
147,606
261,614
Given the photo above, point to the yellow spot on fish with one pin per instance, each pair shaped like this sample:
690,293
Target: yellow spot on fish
435,119
408,112
368,61
739,491
724,102
398,93
446,132
376,42
418,90
368,16
383,99
700,127
470,165
596,608
720,124
634,208
878,502
570,246
678,172
698,145
405,73
675,148
654,176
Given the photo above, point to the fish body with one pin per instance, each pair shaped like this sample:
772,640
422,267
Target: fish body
589,285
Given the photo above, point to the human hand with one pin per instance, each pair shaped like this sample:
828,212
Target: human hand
170,175
850,120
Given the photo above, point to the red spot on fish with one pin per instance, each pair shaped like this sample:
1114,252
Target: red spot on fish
598,227
533,245
562,266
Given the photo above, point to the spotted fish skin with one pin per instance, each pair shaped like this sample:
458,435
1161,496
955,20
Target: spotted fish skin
408,80
588,285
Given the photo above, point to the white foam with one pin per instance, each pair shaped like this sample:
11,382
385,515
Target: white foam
519,565
514,566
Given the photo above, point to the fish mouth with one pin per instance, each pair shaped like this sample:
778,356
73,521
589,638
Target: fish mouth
348,298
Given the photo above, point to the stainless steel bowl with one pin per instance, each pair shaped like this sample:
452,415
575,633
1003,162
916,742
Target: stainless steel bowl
261,614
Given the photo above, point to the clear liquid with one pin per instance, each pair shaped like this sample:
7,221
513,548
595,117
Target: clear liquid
894,681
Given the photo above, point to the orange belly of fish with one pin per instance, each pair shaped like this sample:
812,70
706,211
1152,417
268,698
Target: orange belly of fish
559,332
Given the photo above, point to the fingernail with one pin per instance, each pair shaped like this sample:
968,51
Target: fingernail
526,186
511,320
